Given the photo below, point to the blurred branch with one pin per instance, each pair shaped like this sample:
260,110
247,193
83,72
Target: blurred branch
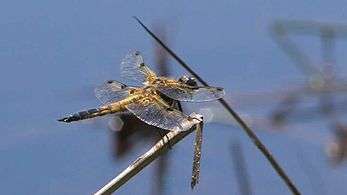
159,148
280,35
161,62
328,46
244,126
240,168
314,27
328,32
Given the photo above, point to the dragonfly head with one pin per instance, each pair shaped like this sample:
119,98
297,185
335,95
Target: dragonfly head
188,80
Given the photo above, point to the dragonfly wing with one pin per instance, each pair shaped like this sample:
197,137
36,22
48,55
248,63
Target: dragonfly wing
184,92
112,91
133,69
156,112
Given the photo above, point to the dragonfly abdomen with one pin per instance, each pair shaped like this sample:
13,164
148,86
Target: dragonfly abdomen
91,113
110,108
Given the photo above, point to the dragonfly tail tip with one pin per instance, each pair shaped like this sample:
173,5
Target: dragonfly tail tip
65,119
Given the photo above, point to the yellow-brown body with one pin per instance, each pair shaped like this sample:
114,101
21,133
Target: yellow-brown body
114,107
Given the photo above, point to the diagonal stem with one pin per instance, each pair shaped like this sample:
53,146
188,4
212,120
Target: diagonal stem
159,148
244,126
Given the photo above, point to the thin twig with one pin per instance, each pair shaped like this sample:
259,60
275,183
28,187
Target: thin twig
244,126
159,148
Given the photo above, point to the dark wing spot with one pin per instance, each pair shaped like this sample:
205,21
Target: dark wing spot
169,109
123,86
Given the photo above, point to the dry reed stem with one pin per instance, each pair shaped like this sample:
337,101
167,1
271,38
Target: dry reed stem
159,148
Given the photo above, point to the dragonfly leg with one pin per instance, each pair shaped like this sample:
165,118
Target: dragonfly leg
179,106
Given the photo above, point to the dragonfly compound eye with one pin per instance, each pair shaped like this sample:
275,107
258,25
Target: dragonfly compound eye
191,82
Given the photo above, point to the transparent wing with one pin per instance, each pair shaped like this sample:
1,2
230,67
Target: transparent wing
133,69
112,91
154,111
184,92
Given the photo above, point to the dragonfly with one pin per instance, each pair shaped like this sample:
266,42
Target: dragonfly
144,99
